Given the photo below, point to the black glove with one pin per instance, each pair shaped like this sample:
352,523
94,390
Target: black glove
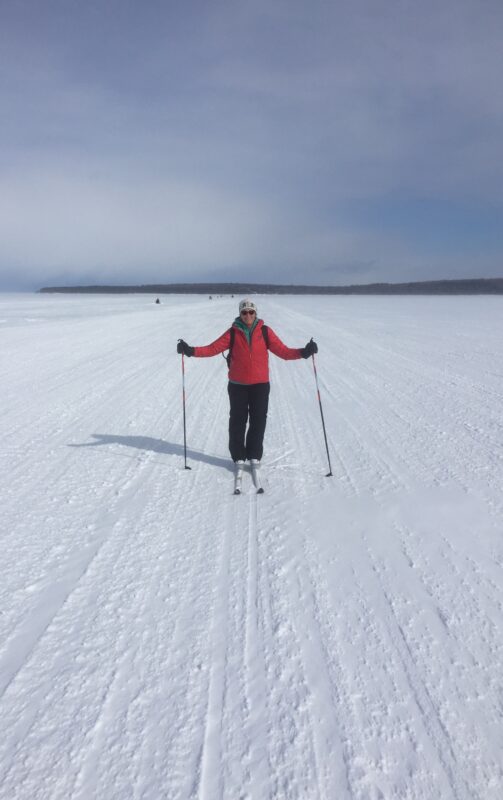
183,347
310,348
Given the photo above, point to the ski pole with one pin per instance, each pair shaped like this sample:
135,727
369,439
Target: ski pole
184,423
329,474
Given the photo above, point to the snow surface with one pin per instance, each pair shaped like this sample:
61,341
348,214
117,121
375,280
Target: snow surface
333,638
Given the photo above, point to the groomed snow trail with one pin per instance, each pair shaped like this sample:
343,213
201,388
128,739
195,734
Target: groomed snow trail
333,638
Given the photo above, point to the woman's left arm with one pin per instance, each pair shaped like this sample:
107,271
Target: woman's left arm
280,349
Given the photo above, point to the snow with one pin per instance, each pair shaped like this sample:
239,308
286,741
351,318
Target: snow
333,638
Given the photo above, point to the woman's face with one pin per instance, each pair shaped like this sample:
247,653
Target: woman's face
248,317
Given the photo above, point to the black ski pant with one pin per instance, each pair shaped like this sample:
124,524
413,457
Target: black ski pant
248,404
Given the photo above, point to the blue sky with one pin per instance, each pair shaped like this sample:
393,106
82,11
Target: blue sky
293,142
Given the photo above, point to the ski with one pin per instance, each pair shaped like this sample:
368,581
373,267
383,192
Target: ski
255,467
238,476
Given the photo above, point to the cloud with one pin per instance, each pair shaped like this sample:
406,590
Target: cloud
281,139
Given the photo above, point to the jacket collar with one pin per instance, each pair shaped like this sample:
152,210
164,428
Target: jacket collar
248,331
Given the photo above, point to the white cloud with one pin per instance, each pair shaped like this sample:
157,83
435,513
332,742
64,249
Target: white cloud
241,135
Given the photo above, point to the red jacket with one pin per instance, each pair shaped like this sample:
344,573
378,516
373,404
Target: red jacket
250,360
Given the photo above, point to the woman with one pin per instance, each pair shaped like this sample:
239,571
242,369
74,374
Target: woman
248,342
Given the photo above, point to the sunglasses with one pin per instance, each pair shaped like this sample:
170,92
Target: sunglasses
247,311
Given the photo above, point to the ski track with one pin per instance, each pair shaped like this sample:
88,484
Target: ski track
334,637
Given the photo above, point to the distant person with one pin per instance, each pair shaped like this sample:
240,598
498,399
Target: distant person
248,341
158,301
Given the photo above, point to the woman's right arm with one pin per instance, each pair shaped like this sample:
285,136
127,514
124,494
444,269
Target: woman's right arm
216,347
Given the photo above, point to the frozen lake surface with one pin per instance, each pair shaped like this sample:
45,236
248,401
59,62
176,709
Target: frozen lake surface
333,638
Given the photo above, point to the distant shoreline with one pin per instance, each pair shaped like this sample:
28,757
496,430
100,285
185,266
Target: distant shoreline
444,287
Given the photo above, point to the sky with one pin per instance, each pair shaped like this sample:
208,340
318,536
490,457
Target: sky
315,141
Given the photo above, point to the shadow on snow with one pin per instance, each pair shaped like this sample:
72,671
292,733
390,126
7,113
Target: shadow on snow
147,443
